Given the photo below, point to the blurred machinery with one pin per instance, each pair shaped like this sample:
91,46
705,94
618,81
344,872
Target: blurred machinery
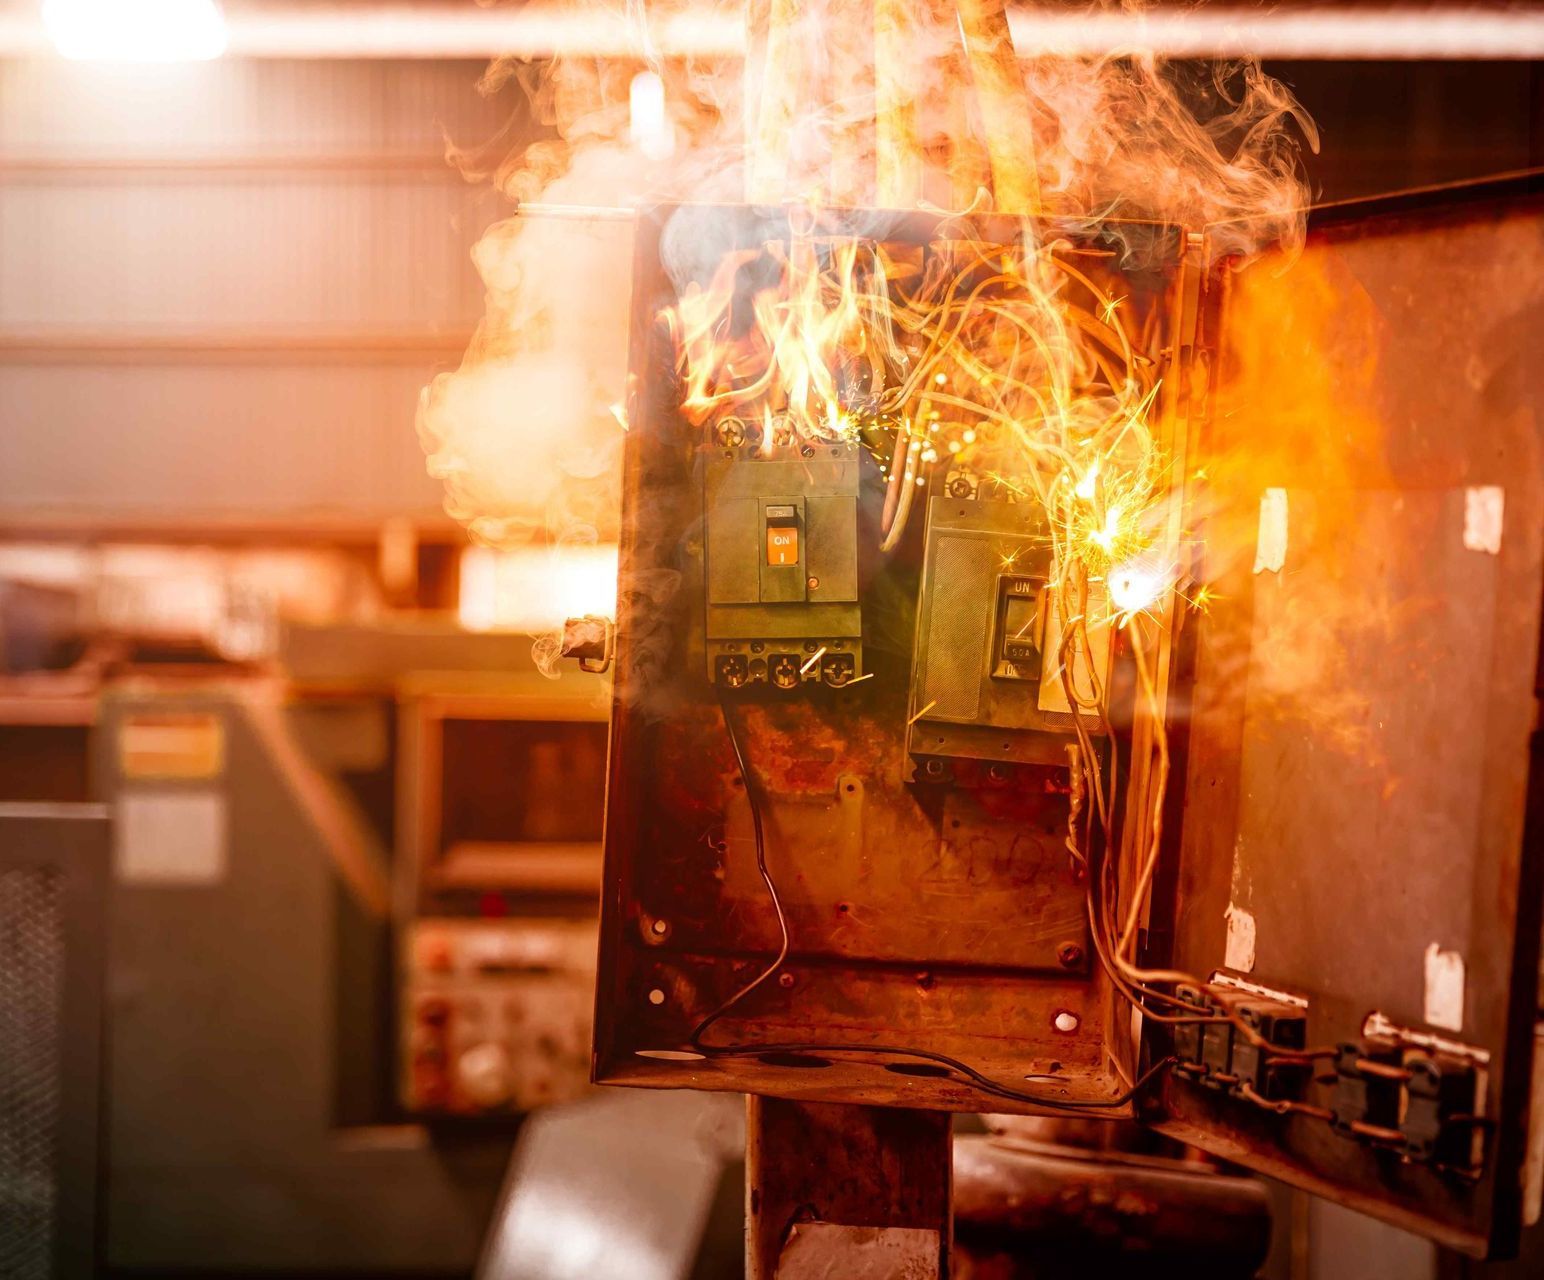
340,934
500,798
53,934
624,1184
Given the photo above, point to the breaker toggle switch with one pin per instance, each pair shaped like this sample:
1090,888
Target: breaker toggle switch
782,535
1020,627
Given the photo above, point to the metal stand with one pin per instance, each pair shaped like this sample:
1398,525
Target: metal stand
860,1193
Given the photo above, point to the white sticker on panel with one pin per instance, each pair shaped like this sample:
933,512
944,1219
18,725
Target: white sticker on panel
170,837
1484,513
1271,549
1240,953
1444,988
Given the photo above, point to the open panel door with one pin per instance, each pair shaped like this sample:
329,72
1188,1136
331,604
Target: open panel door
1361,799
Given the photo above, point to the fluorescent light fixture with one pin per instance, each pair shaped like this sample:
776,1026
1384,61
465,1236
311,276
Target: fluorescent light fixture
135,30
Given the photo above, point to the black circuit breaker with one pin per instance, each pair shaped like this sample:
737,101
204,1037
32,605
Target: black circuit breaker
1218,1055
1424,1105
781,551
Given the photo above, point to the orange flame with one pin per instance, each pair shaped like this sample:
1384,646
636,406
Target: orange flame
1001,360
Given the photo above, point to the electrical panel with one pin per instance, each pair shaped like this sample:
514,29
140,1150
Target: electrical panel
1355,866
960,762
866,662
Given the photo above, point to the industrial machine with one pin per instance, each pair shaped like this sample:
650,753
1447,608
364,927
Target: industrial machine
1168,756
316,852
250,1118
500,799
53,926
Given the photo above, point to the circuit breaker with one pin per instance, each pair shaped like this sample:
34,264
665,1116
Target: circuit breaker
781,593
991,674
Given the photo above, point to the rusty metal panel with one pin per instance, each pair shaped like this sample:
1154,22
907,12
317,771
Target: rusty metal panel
1363,689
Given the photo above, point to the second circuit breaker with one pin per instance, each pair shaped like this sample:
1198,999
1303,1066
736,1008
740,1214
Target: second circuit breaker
987,675
781,573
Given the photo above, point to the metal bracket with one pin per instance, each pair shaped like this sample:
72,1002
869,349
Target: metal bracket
592,640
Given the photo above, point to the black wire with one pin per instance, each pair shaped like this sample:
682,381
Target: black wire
766,876
983,1082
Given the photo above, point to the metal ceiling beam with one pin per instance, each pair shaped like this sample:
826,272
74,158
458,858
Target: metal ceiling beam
406,29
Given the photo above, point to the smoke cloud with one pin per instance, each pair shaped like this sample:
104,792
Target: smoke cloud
524,434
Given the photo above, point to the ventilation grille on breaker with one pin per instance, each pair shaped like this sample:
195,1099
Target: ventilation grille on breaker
962,584
32,951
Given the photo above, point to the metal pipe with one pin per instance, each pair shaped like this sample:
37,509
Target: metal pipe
407,30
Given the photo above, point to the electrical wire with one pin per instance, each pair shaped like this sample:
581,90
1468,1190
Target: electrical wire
977,1078
766,878
981,1081
1100,391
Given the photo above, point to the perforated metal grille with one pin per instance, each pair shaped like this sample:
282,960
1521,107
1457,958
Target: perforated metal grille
961,589
31,988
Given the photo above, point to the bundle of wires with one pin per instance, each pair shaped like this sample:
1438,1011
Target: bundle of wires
1019,365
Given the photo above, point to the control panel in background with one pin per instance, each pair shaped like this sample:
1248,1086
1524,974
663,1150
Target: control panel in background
501,790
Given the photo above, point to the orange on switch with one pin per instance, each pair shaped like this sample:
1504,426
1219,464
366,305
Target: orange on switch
783,544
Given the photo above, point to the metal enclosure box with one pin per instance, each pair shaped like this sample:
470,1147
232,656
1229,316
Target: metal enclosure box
945,917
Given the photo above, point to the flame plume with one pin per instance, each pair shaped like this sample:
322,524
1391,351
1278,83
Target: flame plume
1004,352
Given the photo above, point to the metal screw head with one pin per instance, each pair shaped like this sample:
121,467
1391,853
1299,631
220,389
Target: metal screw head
785,980
1070,954
813,584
